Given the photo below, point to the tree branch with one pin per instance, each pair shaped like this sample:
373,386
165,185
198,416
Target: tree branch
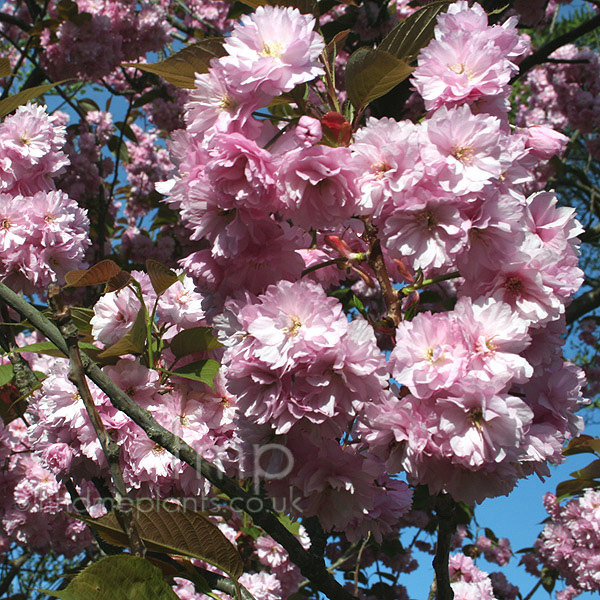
446,526
377,263
15,565
540,55
12,20
312,567
582,305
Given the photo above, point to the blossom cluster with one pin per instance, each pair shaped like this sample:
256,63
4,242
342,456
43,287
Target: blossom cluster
102,35
570,540
447,196
456,382
44,232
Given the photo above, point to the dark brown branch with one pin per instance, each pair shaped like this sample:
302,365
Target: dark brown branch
377,263
590,235
62,315
12,20
582,305
540,55
312,567
15,566
446,526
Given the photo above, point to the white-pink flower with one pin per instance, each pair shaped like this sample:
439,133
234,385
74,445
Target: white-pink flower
461,150
272,51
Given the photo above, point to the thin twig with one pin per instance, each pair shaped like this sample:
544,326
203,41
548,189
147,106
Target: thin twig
358,558
15,566
533,591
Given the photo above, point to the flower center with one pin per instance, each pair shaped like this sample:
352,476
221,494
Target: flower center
457,68
227,103
428,219
475,417
292,331
513,285
5,224
157,449
380,168
273,50
464,155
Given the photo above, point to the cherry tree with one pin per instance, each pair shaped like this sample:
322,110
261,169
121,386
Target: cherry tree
285,290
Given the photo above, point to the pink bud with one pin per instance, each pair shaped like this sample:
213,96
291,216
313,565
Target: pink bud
335,242
308,131
545,142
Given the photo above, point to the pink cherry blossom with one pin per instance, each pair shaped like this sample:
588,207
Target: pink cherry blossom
272,51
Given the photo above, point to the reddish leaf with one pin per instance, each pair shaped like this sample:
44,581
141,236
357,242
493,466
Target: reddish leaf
99,273
117,282
161,277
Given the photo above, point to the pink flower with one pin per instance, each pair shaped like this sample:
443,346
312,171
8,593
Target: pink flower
430,353
426,238
385,154
240,174
317,186
495,336
289,322
215,106
114,315
462,150
31,143
478,428
272,51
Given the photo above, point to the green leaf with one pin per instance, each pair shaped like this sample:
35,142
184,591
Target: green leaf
371,74
133,342
5,68
116,145
49,349
582,444
161,277
12,102
191,341
117,282
572,487
6,374
119,577
173,529
180,69
82,317
127,131
200,370
292,526
548,578
413,33
591,471
334,46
